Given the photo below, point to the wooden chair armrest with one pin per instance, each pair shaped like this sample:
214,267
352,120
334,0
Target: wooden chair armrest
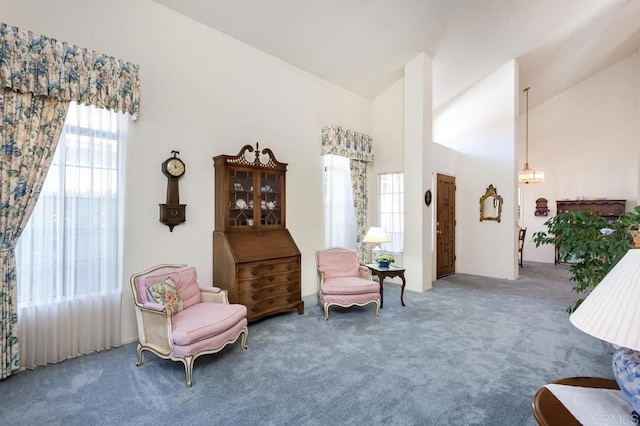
156,309
214,295
320,277
365,272
153,306
210,289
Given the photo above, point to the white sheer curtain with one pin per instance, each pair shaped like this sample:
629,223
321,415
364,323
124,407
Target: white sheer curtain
69,255
339,213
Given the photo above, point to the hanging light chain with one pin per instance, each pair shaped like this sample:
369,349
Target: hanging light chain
527,175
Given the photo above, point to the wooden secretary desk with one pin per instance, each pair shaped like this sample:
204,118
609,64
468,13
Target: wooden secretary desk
254,256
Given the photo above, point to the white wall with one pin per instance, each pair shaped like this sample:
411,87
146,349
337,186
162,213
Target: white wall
480,125
387,119
387,129
418,119
388,134
203,94
587,142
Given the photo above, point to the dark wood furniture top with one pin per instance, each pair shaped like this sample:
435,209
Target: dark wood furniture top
383,272
610,209
549,411
254,256
602,207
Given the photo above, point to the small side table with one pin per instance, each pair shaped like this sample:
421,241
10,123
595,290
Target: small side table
384,272
549,411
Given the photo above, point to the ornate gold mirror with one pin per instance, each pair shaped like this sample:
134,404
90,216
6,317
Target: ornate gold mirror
490,205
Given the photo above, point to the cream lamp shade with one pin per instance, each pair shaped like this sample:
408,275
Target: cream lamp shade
611,312
376,235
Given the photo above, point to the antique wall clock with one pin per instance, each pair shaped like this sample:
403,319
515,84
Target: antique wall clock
173,213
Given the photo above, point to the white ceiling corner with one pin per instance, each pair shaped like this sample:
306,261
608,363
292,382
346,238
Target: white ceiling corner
363,45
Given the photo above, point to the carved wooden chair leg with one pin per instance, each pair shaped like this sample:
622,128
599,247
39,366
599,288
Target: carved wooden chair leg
243,341
140,355
188,367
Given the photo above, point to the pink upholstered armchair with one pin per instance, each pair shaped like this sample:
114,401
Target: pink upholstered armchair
179,320
342,281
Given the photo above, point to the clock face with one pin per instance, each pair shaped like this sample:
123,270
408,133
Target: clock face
175,167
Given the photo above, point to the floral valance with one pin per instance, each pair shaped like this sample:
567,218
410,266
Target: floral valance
32,63
347,143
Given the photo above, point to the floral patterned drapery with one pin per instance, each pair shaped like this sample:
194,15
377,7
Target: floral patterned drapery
30,127
358,171
347,143
32,63
358,148
39,77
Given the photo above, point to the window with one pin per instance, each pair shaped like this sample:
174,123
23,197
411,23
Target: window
392,210
71,245
69,257
339,213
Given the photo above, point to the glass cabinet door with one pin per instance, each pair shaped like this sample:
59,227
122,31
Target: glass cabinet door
271,198
241,199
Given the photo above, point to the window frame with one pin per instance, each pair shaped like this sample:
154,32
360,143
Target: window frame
396,245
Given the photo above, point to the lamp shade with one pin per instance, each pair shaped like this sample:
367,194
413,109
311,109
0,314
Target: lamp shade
376,234
611,312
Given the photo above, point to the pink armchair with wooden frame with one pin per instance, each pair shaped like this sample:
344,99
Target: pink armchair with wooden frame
342,281
179,320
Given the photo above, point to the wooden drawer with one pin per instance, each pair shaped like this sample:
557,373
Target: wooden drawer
271,267
269,281
283,290
262,307
270,286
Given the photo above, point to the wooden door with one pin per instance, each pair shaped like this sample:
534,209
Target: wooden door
446,226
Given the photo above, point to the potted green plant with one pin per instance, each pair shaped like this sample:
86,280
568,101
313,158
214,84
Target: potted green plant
385,259
591,244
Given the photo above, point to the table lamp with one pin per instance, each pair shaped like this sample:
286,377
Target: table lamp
376,235
611,312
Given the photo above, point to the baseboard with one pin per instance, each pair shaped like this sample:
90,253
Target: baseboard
129,340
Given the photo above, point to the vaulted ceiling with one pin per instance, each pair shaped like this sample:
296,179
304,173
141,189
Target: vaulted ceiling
363,45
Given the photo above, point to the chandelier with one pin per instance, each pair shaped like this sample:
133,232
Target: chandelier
528,175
